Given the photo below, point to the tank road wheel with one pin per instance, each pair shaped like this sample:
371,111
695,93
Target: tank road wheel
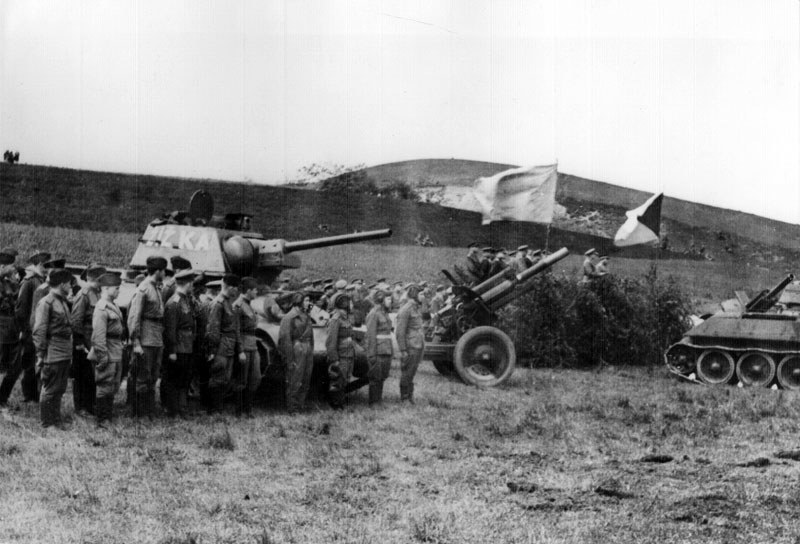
789,372
755,369
484,356
445,368
715,367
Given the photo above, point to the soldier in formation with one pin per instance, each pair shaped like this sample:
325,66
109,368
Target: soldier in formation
340,350
83,305
249,376
180,330
9,287
223,340
296,347
379,345
410,341
108,334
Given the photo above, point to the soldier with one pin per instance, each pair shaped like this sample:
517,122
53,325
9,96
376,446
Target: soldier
340,350
146,329
520,261
397,296
178,264
411,341
24,362
201,305
361,305
249,375
534,256
223,340
437,301
83,386
602,266
475,266
324,302
296,346
9,287
379,345
590,266
108,332
52,338
180,329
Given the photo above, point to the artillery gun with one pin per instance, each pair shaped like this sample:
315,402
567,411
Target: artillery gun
463,337
753,342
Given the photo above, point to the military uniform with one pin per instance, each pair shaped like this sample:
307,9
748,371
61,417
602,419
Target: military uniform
83,386
410,339
24,363
249,376
180,329
379,350
296,346
223,341
52,338
146,329
340,350
201,306
361,309
108,332
9,332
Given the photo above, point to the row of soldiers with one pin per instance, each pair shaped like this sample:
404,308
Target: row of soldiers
482,263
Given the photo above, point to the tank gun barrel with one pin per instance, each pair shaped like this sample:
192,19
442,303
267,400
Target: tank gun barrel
766,299
336,240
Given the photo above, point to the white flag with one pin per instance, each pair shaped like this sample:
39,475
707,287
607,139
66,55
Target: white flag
519,194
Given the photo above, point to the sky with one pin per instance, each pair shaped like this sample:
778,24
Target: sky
696,98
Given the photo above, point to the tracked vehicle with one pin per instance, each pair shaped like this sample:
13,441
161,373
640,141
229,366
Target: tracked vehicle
753,342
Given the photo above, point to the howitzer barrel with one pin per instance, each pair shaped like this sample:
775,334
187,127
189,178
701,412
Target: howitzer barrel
498,297
763,301
336,240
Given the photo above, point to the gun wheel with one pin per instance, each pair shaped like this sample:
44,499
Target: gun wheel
445,368
484,356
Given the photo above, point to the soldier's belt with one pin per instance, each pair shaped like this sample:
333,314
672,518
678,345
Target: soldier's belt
383,336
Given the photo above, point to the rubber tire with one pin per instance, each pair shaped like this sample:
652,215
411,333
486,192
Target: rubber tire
480,336
445,368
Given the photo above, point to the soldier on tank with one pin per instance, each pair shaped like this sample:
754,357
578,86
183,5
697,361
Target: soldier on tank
223,339
379,345
9,288
83,386
146,328
340,350
296,346
24,362
52,338
108,334
249,376
411,341
180,329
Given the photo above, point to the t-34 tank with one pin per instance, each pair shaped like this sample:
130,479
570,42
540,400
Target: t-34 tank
755,342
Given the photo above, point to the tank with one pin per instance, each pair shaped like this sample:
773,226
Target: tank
748,342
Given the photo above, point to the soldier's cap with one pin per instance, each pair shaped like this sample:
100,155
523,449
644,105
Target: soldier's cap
169,273
306,282
40,258
179,263
92,272
473,244
358,281
327,286
398,284
379,295
590,252
523,247
55,263
341,301
372,286
58,276
604,257
440,288
129,275
185,276
327,280
232,280
340,284
107,279
156,262
351,287
423,284
380,280
285,297
216,284
489,250
249,283
200,280
536,252
8,255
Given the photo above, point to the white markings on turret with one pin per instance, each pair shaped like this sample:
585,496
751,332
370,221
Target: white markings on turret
178,237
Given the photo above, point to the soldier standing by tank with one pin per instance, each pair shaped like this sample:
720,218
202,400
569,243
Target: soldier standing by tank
201,305
9,288
178,264
223,341
411,341
361,305
340,350
108,333
379,345
146,328
24,362
83,386
52,338
296,346
180,329
249,376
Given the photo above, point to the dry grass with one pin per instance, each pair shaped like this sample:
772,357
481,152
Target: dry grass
438,471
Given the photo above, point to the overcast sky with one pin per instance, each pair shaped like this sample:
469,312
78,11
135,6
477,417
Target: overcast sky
696,98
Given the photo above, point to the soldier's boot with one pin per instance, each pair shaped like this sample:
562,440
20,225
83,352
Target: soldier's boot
46,413
375,393
152,408
77,399
411,393
141,405
102,411
183,403
247,403
404,393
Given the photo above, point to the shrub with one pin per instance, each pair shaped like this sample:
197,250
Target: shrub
612,320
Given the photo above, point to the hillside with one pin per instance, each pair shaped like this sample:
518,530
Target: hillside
592,211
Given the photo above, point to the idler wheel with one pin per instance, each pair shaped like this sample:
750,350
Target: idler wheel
789,372
484,356
755,369
715,367
681,358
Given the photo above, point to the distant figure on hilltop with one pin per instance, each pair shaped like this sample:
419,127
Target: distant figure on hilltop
11,156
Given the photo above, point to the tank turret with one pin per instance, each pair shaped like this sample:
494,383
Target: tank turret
216,245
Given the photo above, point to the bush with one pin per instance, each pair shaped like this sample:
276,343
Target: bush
612,320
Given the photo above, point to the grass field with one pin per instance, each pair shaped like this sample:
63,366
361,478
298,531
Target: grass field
553,456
